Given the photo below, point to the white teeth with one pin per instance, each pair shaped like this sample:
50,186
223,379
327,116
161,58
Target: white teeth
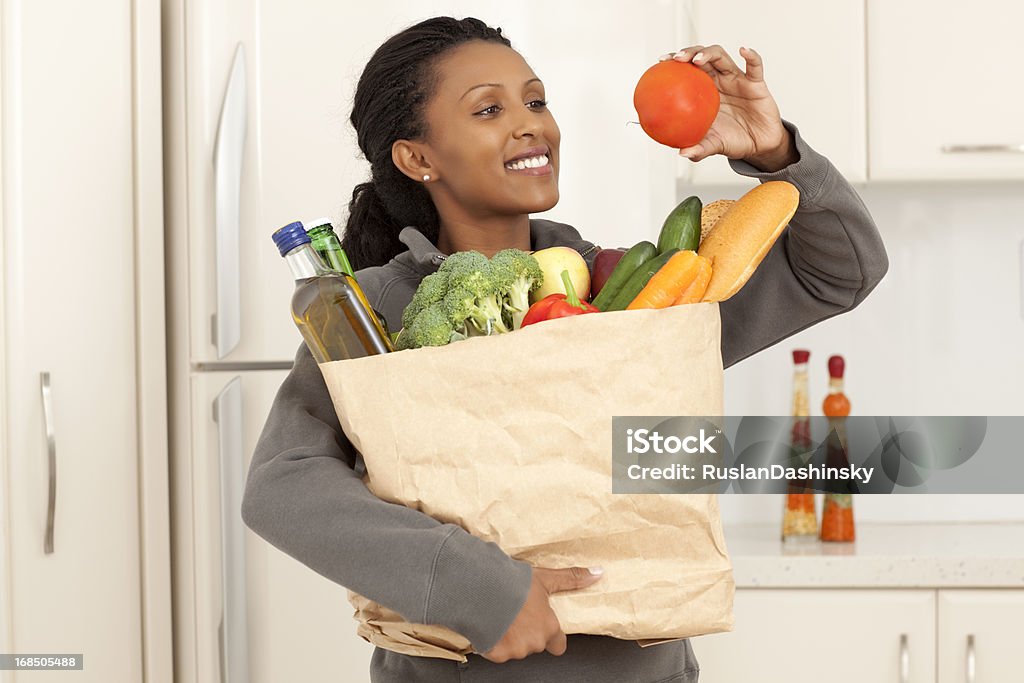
532,162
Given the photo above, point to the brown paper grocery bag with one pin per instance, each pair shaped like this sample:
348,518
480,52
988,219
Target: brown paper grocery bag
510,437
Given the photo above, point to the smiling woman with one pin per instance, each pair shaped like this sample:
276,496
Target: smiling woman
460,141
462,149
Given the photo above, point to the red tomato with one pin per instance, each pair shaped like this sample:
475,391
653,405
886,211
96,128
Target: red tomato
677,103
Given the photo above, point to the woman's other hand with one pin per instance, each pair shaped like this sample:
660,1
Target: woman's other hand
748,125
536,627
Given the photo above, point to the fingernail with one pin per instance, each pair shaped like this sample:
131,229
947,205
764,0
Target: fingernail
596,571
698,57
664,57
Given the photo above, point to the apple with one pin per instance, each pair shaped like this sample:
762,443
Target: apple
553,261
604,264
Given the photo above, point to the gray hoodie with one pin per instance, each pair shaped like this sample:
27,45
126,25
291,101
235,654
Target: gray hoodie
305,494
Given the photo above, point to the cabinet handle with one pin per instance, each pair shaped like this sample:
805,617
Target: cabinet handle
904,659
51,448
970,658
233,638
973,149
227,178
1022,279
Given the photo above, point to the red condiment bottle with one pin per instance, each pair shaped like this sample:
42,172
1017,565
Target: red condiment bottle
800,521
837,514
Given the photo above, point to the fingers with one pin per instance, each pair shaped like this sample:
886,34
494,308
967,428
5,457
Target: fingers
557,644
573,578
714,61
695,152
755,64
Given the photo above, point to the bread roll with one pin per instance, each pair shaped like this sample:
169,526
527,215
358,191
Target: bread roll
710,214
743,235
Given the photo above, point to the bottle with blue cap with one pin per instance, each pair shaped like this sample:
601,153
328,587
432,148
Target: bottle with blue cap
329,308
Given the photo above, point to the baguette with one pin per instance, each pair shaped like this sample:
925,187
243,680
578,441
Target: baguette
742,237
710,214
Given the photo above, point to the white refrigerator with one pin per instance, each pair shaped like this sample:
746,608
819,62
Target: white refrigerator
256,103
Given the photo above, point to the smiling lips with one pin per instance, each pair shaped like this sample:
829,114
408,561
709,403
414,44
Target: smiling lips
538,165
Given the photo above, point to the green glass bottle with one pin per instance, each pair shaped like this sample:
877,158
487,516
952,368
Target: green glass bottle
326,243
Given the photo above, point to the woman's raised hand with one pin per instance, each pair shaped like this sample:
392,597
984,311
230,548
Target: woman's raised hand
536,628
748,125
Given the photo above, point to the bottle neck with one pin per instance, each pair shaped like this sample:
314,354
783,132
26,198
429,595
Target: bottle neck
835,385
801,401
306,263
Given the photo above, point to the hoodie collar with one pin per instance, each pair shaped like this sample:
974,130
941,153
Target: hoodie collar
422,256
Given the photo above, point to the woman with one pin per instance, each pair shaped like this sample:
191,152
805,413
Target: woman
440,111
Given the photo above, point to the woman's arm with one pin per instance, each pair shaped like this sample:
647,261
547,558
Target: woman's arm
825,262
303,496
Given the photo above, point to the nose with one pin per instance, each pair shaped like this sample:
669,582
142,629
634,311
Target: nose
528,122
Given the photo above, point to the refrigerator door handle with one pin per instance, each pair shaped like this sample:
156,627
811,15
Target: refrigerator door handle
233,630
51,450
227,171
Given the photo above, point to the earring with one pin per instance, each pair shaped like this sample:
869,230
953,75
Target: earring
426,178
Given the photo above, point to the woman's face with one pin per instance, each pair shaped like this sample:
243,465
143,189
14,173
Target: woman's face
488,109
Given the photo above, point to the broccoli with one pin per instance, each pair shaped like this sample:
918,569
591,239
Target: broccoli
430,291
472,295
430,327
516,274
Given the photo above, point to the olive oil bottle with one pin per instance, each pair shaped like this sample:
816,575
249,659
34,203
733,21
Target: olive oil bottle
329,308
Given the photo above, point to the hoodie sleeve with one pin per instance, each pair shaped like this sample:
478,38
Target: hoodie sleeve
303,496
824,263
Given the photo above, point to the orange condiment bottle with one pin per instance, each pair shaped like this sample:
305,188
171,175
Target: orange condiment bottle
799,518
837,514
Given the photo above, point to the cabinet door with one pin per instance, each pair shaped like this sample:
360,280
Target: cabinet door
979,635
814,635
260,615
813,64
951,81
69,311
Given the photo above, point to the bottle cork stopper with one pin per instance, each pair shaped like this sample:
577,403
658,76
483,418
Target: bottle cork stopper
836,366
801,355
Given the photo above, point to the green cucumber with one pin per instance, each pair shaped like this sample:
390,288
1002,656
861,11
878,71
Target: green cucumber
638,280
681,229
639,254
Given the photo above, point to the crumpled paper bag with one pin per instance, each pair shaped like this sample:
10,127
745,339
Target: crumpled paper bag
510,437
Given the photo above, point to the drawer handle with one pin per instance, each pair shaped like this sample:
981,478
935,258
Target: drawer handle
970,658
984,149
51,448
904,659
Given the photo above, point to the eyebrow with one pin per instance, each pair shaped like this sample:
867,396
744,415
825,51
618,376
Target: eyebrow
495,85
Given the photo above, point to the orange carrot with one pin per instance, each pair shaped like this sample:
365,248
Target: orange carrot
669,282
695,291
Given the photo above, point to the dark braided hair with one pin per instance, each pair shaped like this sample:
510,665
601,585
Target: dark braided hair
389,105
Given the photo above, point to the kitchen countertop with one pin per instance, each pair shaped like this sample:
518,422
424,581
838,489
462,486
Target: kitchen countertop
951,555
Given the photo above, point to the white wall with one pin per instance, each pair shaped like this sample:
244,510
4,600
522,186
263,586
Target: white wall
943,334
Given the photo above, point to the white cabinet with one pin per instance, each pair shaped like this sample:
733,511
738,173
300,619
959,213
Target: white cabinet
84,556
853,635
807,636
260,614
979,635
942,74
814,67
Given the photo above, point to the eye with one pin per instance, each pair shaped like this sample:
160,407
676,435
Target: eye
540,104
487,111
